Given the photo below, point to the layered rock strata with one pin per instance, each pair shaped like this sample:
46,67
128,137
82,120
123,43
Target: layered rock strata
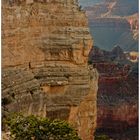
117,100
45,45
118,107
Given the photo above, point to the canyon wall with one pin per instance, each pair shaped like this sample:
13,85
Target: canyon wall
118,107
117,98
118,102
109,32
113,22
45,46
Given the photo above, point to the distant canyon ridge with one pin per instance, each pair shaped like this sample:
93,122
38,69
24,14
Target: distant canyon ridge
113,22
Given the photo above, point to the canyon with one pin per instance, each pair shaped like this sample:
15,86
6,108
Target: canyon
118,106
112,22
45,47
117,97
114,27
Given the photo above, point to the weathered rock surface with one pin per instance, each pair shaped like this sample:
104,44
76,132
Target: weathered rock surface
45,47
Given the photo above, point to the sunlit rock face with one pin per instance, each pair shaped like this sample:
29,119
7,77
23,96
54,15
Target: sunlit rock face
45,45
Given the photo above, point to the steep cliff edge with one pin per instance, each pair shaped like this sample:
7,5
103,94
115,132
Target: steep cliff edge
45,46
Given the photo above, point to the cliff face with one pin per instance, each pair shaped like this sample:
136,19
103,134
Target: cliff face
98,55
117,98
118,106
45,46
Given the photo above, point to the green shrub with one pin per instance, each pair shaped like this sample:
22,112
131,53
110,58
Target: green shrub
33,128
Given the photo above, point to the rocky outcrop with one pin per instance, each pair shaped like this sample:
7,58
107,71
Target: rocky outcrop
99,55
45,47
134,25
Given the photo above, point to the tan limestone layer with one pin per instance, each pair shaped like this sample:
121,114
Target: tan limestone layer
85,115
45,48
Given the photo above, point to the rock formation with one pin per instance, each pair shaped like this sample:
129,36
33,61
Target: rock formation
108,8
117,98
99,55
113,22
118,106
45,46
